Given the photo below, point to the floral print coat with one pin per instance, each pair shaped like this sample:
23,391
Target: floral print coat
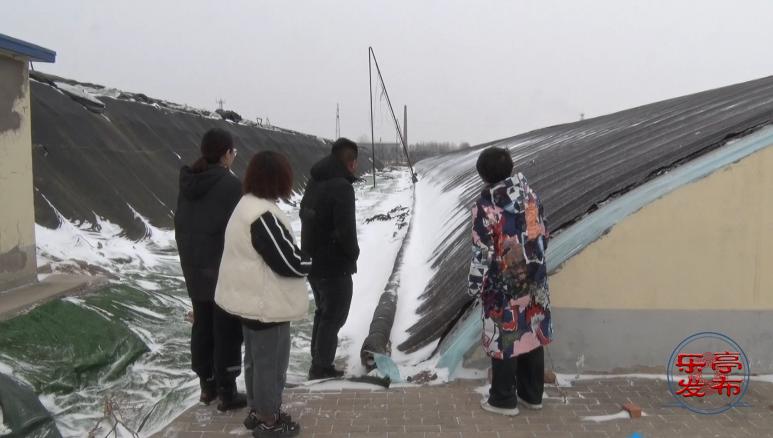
508,271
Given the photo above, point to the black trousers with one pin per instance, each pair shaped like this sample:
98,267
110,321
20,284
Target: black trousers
522,376
216,345
333,297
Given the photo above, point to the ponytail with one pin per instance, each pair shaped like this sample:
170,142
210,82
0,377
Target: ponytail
200,165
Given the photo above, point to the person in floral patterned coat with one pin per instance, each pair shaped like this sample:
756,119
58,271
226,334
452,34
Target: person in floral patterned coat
508,274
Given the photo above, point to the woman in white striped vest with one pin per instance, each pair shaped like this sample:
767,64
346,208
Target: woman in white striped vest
262,280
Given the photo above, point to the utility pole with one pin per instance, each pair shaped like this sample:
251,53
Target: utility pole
220,102
372,55
372,140
338,123
405,125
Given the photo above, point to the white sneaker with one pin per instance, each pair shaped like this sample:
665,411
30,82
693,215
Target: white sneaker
528,405
500,411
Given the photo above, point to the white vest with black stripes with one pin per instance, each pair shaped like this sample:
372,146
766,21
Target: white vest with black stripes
246,286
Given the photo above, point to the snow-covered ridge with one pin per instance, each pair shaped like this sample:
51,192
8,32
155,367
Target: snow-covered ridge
90,95
89,164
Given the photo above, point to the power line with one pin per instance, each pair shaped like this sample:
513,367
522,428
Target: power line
372,55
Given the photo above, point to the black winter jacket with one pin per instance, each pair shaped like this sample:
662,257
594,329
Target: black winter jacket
204,205
328,224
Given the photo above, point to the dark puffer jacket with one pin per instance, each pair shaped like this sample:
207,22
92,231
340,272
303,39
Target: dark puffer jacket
328,223
204,205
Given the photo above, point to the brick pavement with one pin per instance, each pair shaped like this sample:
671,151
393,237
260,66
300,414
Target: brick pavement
452,410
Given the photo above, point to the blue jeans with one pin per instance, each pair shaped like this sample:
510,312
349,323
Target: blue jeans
266,357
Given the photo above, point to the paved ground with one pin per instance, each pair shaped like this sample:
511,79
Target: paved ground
453,410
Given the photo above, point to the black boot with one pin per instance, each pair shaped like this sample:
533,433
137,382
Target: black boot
230,399
316,373
252,420
208,391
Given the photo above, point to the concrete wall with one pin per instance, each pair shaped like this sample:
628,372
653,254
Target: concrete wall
17,215
698,259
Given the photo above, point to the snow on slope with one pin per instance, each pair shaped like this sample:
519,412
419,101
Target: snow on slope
150,266
437,222
383,215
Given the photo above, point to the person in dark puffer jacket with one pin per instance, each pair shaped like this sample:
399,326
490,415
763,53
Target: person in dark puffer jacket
208,194
329,236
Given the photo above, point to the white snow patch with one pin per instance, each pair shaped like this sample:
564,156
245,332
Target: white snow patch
147,338
580,364
567,380
9,370
564,380
763,378
143,311
147,285
436,215
102,244
4,430
79,91
602,418
161,238
483,390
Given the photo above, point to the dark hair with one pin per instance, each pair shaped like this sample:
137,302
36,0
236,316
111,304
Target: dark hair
494,165
345,150
269,176
215,143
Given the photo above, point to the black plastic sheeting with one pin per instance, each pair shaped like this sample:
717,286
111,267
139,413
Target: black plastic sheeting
23,413
575,167
88,163
377,340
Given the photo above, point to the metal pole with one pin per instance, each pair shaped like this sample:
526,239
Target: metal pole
372,139
338,123
405,124
392,111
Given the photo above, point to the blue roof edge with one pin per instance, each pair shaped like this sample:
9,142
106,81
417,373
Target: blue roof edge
28,50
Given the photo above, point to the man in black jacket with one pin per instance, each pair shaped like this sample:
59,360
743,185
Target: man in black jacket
329,236
208,195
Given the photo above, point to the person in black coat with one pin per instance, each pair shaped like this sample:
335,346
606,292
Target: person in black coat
209,192
329,236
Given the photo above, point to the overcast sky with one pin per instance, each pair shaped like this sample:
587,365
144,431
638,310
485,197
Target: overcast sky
468,70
